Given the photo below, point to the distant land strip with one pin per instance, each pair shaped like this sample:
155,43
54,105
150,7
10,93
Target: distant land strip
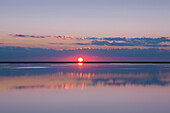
154,62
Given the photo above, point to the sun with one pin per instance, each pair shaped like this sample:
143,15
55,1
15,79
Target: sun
80,59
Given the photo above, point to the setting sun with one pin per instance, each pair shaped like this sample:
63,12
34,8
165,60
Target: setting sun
80,59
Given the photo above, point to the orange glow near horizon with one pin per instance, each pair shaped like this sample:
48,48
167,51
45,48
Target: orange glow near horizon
80,59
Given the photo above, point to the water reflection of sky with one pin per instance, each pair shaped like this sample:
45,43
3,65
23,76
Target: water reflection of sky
67,76
65,88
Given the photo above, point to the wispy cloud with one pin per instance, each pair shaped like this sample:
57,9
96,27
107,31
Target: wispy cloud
58,37
109,41
145,42
56,43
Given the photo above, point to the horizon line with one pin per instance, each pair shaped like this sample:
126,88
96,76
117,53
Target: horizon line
157,62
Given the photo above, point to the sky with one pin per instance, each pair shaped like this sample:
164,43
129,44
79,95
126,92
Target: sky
78,25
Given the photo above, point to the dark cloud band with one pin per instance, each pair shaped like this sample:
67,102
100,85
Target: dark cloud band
20,52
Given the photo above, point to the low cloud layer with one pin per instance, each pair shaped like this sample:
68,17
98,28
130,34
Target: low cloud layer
19,53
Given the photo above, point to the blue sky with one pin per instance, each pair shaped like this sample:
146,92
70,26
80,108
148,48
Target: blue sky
129,18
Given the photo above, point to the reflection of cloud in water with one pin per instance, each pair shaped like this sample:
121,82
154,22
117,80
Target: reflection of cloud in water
74,80
30,67
65,86
72,76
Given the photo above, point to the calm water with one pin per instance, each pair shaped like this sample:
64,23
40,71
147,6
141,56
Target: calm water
84,88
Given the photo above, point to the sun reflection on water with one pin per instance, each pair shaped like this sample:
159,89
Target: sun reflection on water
80,65
70,76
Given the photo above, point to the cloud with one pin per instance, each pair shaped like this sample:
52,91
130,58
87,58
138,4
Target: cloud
82,43
56,43
115,39
130,43
47,36
144,42
70,43
29,36
19,53
109,41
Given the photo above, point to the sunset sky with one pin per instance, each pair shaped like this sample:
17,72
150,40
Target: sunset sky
98,30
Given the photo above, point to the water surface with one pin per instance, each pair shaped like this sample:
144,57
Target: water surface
84,88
